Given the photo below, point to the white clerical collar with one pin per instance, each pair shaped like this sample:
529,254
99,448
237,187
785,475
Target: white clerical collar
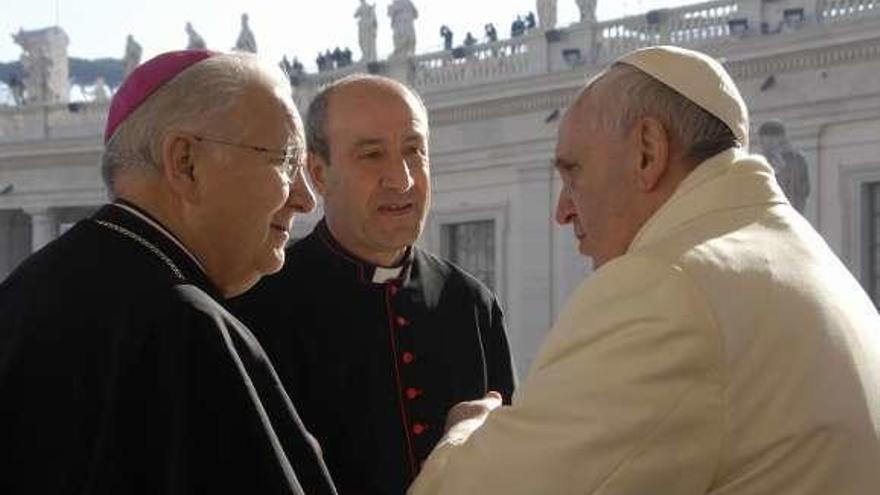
382,274
156,225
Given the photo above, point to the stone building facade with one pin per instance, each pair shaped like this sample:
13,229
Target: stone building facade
494,109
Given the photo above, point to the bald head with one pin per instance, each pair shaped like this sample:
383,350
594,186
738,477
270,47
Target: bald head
321,109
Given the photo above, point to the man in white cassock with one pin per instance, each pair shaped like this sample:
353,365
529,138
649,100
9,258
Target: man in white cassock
720,347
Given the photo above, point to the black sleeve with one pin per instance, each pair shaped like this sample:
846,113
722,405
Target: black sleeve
269,310
501,376
186,416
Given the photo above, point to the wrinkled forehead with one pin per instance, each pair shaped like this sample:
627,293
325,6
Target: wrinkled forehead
287,108
378,93
582,117
599,89
266,109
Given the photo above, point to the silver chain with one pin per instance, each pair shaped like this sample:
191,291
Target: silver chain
143,242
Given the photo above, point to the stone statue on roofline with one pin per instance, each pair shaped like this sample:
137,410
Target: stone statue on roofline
195,40
367,25
246,41
44,65
546,13
788,163
403,15
588,10
132,58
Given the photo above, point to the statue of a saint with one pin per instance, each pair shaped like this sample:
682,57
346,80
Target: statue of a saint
132,58
366,16
246,41
789,164
403,15
44,65
195,41
546,13
588,10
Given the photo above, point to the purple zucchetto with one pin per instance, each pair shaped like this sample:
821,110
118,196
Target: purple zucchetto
145,80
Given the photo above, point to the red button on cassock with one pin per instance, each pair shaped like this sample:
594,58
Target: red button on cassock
401,321
408,357
392,289
412,393
419,428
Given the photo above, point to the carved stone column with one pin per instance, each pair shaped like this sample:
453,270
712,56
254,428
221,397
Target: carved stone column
44,226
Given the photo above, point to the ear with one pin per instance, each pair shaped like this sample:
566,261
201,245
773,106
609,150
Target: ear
318,172
652,143
178,165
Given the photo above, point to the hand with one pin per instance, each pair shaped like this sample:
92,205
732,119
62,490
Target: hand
473,412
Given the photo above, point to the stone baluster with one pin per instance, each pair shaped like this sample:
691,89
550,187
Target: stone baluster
44,226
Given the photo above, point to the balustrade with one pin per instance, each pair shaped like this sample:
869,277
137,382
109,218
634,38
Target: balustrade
38,122
691,24
483,62
837,10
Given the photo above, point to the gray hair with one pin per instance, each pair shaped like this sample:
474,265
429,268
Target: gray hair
635,95
192,101
316,118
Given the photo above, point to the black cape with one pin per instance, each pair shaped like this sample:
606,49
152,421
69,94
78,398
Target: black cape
121,373
374,367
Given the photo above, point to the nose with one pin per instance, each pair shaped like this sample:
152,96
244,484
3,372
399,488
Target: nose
301,198
398,175
565,212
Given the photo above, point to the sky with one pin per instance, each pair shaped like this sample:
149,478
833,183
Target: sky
301,28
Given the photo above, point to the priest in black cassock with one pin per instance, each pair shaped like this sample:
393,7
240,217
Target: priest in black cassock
120,369
375,338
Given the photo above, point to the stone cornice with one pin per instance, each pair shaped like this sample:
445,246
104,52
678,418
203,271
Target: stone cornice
797,60
53,198
806,59
556,99
40,151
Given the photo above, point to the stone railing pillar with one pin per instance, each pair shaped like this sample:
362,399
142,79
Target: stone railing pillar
44,226
753,12
538,44
401,68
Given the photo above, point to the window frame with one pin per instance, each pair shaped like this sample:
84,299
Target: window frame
855,183
498,214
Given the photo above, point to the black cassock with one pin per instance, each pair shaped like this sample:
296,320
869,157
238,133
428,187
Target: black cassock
120,373
373,367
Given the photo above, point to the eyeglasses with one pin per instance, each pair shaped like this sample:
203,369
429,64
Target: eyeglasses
289,160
